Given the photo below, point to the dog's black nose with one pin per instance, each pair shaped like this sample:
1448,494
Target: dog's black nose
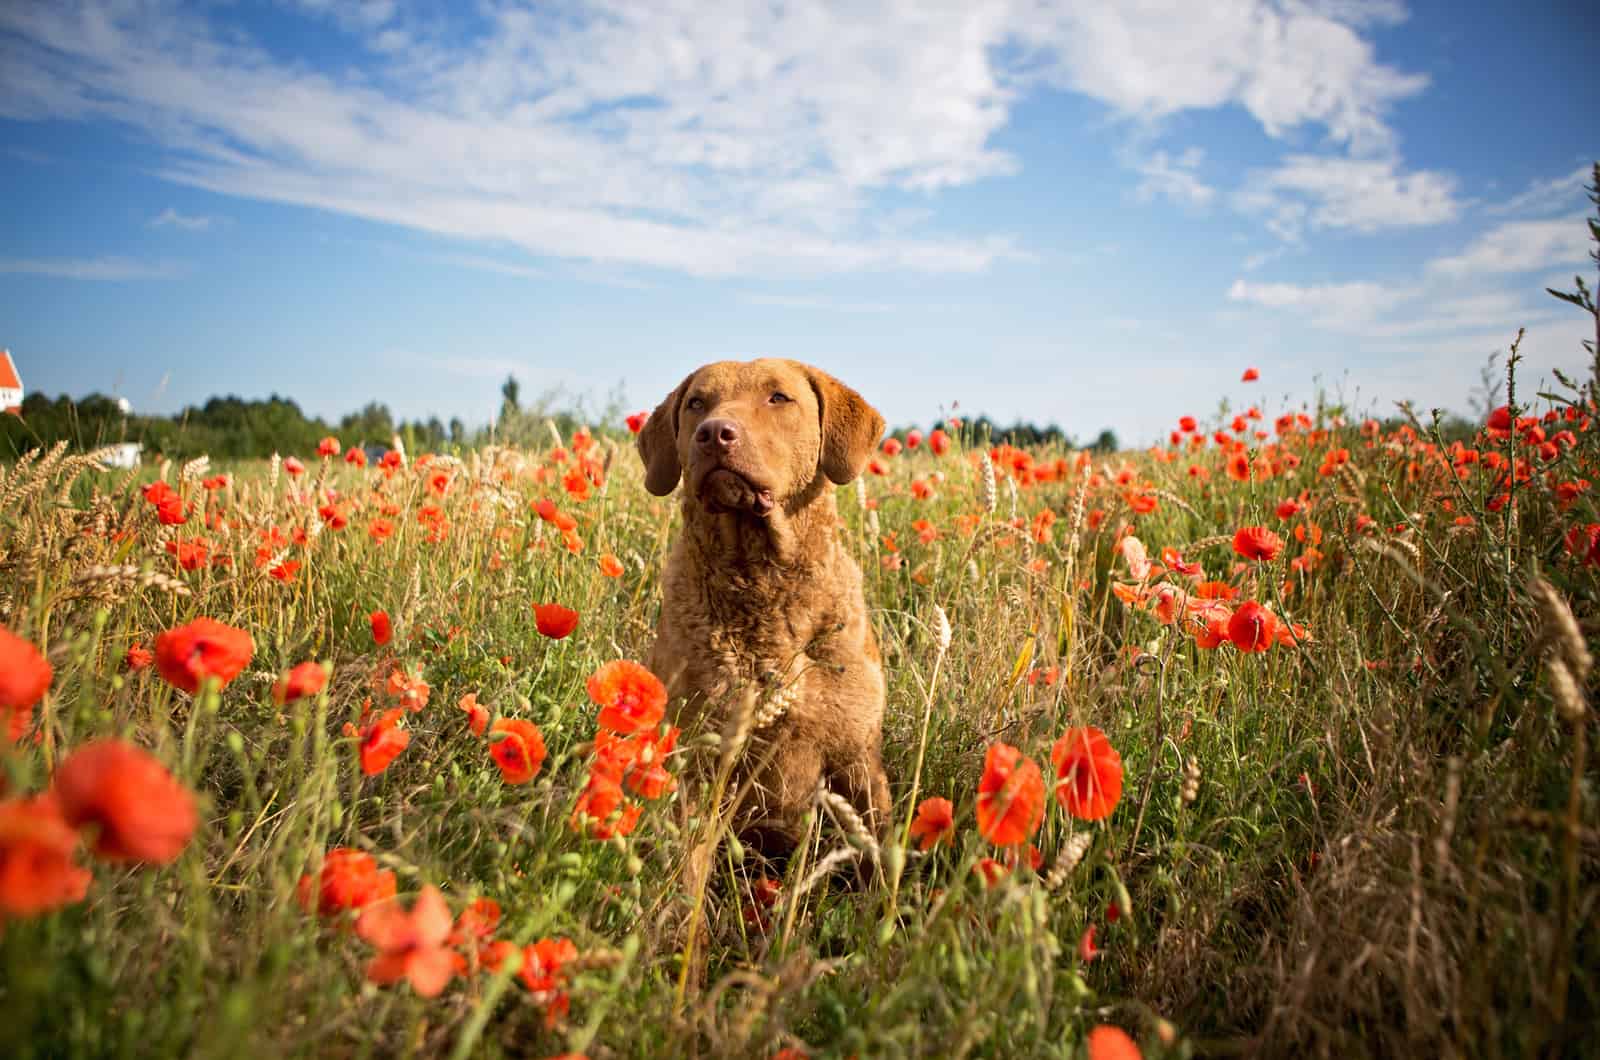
717,434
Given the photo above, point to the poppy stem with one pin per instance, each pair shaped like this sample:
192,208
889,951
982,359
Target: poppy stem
1161,732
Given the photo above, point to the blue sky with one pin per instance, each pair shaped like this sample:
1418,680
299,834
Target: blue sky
1087,213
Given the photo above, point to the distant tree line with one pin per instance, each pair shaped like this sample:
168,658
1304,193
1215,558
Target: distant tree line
1019,433
226,428
233,428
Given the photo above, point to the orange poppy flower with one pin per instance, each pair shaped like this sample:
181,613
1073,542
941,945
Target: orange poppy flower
205,648
990,871
411,945
355,457
554,621
1087,950
306,679
382,741
543,973
24,676
520,753
1010,796
1252,628
138,657
1250,376
1088,773
329,446
639,760
1106,1042
349,879
630,697
1257,543
477,714
935,822
610,566
939,442
37,871
141,811
410,689
382,628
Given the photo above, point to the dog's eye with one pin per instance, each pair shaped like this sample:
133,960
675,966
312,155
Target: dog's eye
779,398
696,404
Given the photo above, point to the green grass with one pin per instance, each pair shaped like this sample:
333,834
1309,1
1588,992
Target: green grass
1384,855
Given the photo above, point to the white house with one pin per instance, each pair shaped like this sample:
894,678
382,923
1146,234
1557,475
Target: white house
10,385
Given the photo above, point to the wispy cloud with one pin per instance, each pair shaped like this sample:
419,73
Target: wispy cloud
1519,246
108,268
1173,177
1332,192
1559,194
652,135
171,218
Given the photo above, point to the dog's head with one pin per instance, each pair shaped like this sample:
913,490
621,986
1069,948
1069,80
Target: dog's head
750,435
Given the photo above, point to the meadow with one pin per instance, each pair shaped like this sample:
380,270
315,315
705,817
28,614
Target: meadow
1270,739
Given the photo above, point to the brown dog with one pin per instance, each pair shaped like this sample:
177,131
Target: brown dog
758,592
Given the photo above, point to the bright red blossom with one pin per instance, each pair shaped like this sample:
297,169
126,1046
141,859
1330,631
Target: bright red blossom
306,679
630,697
24,676
1257,543
205,648
348,880
1010,796
141,812
520,753
1088,773
38,872
555,621
935,822
382,628
411,945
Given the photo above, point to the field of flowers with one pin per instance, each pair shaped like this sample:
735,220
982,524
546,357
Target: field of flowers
1269,739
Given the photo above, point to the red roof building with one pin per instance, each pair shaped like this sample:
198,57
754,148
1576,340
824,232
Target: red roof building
10,385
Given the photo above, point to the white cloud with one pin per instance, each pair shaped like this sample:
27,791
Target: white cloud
172,218
1363,195
1336,306
1174,177
104,268
631,134
1520,246
1558,194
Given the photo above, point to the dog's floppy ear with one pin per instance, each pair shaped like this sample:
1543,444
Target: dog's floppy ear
850,427
658,444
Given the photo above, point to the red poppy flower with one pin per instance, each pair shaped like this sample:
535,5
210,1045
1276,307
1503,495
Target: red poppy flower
1010,796
1252,628
913,438
939,442
935,822
1106,1042
601,811
382,741
307,679
520,753
355,457
329,446
891,447
411,945
1250,376
293,466
1257,543
610,566
191,554
349,879
142,812
138,657
1087,950
382,628
990,871
544,974
1187,424
1088,773
37,870
554,621
477,714
380,530
636,422
476,923
630,697
24,676
640,760
410,689
204,648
